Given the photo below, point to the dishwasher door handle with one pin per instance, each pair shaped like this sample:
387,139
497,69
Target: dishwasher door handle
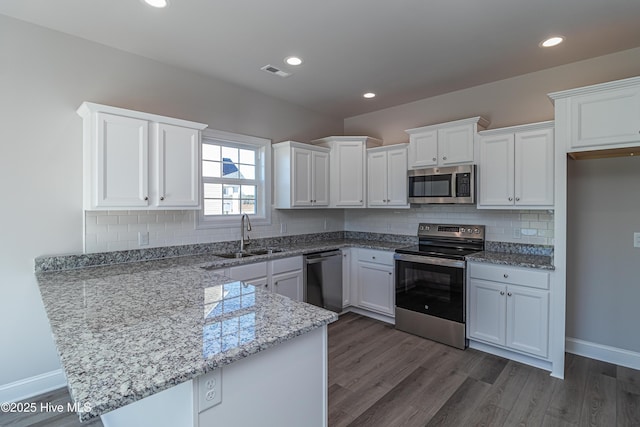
318,259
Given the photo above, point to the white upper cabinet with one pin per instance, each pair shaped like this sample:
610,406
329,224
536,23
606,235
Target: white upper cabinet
603,116
301,175
515,167
348,169
444,144
135,160
387,176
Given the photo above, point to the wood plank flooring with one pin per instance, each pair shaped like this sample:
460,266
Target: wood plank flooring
382,377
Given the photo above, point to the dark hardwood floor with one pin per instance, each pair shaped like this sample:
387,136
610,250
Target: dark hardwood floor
382,377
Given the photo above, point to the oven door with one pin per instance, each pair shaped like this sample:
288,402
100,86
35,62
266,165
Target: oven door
429,285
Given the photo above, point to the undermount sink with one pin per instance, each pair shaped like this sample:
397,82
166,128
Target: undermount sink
266,251
235,255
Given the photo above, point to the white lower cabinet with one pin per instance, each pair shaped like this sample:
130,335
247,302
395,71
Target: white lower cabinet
283,276
509,307
375,277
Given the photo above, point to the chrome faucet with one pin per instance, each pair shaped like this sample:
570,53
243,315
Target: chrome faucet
242,242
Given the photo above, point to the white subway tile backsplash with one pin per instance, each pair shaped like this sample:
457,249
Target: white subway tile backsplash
106,219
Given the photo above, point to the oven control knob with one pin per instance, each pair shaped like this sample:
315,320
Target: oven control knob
476,231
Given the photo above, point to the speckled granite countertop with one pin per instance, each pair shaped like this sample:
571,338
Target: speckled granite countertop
542,262
127,331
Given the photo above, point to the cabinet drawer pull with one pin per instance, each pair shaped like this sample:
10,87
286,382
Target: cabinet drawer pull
162,198
517,199
444,158
511,199
509,294
146,198
434,159
505,275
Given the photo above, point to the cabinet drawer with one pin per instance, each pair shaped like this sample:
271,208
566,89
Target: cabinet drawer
286,264
512,275
248,271
375,256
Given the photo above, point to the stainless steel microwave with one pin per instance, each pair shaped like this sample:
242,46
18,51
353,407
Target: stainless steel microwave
452,184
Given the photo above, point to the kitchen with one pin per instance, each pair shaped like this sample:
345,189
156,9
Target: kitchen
42,171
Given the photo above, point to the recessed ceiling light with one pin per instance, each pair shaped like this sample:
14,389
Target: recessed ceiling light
157,3
293,60
552,41
369,95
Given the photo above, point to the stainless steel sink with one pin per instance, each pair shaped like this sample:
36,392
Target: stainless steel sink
235,255
266,251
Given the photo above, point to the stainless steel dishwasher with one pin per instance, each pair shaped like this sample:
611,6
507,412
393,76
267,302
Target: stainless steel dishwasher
323,279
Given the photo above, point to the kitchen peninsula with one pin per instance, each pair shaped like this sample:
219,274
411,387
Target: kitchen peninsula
135,340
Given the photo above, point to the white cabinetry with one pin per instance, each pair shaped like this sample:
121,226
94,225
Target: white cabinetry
301,175
387,176
375,276
515,167
283,276
346,277
509,307
348,168
603,116
134,160
444,144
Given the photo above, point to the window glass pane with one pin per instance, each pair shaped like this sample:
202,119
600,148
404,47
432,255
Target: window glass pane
247,172
231,154
213,207
211,169
212,191
231,191
248,192
248,157
231,207
248,206
230,170
210,152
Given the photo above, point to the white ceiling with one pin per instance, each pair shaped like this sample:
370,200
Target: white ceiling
403,50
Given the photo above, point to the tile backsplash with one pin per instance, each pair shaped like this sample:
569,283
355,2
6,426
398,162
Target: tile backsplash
118,230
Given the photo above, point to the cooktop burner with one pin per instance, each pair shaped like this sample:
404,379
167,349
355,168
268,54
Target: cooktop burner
447,241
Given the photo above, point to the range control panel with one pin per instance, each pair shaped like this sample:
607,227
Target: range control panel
451,230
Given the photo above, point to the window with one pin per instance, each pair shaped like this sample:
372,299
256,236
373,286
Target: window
235,179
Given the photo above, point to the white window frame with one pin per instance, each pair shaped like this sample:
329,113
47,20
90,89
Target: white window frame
263,178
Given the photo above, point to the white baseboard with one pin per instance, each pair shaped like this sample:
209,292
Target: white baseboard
33,386
617,356
512,355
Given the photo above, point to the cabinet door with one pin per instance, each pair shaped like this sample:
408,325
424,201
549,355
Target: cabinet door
348,159
320,179
455,144
376,289
377,178
122,162
606,118
301,177
487,308
178,166
496,170
534,168
288,284
423,149
346,277
528,320
397,180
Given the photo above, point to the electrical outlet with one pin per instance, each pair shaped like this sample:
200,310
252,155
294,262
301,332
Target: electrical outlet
209,389
325,224
283,227
636,240
143,238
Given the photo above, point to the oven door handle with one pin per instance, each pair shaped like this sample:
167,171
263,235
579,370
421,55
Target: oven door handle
420,259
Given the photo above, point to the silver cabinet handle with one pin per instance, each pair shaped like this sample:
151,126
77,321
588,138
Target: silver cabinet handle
505,275
511,199
373,257
390,273
444,158
509,294
501,292
276,283
161,198
360,201
434,159
517,199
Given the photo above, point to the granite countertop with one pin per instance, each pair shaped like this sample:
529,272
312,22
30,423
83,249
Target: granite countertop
127,331
542,262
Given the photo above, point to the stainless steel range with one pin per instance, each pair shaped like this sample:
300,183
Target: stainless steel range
431,282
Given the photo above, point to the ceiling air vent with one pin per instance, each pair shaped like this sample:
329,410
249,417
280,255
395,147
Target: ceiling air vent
273,70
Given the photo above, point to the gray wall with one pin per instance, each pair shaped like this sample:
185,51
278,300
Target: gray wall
603,279
44,77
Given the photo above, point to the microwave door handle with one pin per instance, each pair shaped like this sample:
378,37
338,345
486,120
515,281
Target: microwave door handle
454,177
